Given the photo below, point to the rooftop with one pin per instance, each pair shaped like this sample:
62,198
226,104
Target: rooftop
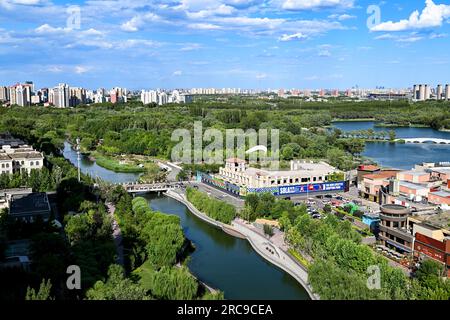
306,169
443,194
29,204
415,173
382,175
369,167
413,186
235,160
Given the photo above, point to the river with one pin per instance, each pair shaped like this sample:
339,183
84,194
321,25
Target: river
220,260
401,156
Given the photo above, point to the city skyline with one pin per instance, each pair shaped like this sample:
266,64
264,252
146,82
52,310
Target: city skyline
224,43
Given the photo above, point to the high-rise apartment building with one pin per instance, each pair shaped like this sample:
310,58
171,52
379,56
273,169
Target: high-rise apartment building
439,92
60,96
4,94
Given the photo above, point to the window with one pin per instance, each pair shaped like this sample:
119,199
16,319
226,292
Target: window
7,165
37,163
31,163
23,162
3,165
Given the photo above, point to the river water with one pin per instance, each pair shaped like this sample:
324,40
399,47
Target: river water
219,260
402,156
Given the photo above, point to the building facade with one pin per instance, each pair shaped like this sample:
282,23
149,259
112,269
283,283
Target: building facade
393,226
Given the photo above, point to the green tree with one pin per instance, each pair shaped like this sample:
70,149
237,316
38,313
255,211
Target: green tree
392,135
116,287
42,294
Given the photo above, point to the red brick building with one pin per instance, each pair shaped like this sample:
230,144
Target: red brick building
432,243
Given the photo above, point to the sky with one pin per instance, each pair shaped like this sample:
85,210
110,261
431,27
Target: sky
140,44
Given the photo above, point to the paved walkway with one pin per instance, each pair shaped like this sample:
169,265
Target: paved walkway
274,254
263,246
117,235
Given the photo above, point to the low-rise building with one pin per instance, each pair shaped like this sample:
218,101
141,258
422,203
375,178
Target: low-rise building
414,176
20,158
29,206
304,177
365,170
439,198
394,232
433,243
410,189
372,185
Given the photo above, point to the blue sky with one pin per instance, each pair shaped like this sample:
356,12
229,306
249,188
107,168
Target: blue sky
225,43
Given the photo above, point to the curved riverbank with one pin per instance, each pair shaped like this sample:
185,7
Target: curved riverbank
259,243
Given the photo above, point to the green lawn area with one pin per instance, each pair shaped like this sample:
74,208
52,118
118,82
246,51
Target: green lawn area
144,273
114,165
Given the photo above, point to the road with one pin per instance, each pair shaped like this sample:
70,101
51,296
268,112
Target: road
220,195
117,234
173,170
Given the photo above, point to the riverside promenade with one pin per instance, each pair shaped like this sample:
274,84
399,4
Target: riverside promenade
262,245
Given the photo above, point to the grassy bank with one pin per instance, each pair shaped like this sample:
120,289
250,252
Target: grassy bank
115,166
299,258
354,120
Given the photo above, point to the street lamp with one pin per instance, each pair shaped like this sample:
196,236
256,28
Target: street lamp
78,159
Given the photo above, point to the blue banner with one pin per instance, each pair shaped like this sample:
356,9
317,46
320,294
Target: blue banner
302,189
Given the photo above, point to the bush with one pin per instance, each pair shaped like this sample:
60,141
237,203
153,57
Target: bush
268,230
215,209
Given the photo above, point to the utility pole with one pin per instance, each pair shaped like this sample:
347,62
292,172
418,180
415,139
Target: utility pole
79,159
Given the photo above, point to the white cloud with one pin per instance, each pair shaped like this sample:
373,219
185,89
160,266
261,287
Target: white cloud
55,69
221,10
410,38
47,29
10,3
81,69
177,73
342,17
432,16
324,53
191,47
261,76
438,35
295,36
203,26
138,21
315,4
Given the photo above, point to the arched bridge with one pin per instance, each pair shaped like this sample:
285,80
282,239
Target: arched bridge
426,140
134,187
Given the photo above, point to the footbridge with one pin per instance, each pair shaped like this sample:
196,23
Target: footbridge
426,140
134,187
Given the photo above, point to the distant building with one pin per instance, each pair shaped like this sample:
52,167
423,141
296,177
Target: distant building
60,96
439,92
4,94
